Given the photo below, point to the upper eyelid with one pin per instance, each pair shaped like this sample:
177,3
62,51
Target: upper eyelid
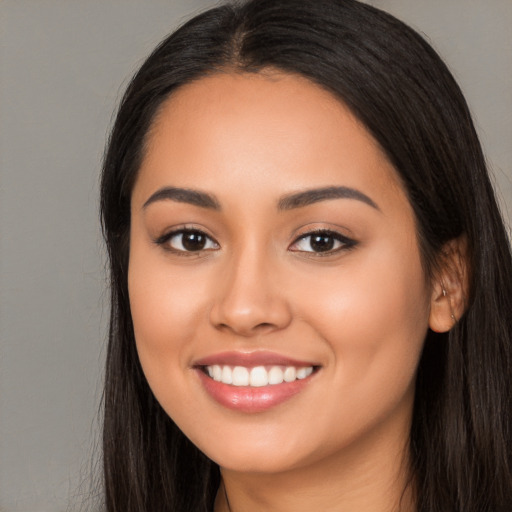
170,232
185,227
327,231
347,243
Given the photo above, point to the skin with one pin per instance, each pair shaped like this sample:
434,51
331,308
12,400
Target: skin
360,313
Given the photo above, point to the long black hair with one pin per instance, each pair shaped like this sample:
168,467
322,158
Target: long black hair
398,87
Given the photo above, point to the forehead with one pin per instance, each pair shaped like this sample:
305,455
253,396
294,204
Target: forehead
274,128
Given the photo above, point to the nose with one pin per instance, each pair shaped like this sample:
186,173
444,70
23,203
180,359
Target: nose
250,299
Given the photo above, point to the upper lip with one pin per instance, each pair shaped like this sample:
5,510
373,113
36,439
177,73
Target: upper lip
251,359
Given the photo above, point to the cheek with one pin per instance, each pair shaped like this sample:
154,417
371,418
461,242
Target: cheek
159,306
373,314
166,306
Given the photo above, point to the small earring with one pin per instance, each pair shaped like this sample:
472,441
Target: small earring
445,293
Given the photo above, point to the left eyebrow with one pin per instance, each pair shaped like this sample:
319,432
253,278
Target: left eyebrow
311,196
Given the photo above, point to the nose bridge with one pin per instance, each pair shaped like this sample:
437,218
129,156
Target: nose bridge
249,299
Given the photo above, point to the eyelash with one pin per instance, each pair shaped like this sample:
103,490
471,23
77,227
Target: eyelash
345,243
333,238
166,239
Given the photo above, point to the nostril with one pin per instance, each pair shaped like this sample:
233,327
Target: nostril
265,327
249,330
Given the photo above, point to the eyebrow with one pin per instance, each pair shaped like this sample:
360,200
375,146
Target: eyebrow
288,202
307,197
184,195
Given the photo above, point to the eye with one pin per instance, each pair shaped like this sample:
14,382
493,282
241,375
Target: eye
323,241
187,240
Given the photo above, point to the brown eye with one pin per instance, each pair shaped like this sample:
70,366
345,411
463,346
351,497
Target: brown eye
322,242
193,241
189,240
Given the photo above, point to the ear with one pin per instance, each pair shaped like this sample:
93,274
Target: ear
450,286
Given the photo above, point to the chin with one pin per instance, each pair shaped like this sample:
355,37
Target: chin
248,454
263,463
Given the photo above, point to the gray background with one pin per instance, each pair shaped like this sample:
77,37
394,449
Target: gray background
63,67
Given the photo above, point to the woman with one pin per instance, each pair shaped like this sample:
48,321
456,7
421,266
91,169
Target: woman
310,277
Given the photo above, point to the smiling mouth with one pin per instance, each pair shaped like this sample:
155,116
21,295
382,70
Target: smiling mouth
253,388
254,382
257,376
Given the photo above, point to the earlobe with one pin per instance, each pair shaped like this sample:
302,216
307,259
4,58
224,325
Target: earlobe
450,286
442,314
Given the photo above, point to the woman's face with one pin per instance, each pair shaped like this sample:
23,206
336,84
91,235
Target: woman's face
276,287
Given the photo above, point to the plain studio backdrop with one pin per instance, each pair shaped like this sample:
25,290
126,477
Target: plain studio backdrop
64,65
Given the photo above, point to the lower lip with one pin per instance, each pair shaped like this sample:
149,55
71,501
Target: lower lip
251,399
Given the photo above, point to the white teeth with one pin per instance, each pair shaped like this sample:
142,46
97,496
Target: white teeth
275,375
290,374
227,375
217,373
240,376
258,376
302,373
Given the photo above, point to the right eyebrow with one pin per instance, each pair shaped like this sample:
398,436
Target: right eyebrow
184,195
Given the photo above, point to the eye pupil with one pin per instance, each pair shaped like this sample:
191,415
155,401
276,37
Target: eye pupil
321,243
193,241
